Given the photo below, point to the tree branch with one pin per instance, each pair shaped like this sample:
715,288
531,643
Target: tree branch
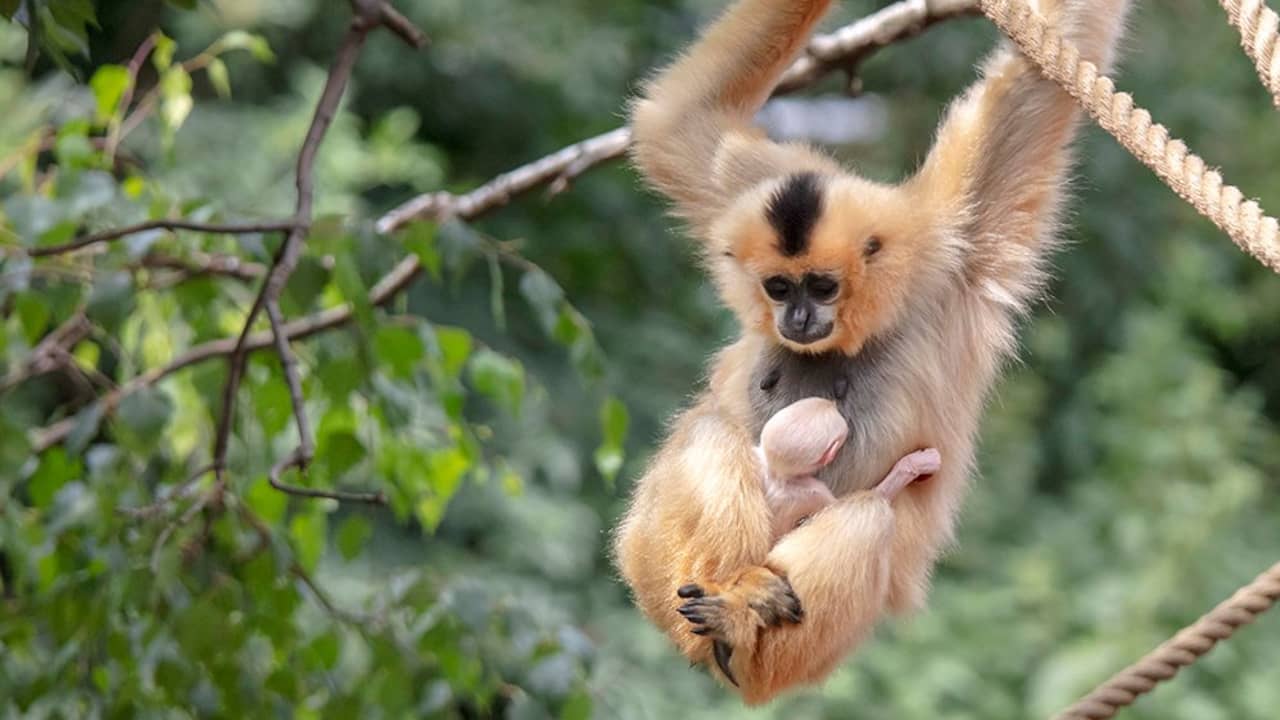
52,353
400,25
199,264
842,49
162,224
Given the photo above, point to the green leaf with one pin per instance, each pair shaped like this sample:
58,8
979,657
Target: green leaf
352,536
266,502
326,648
577,707
613,429
399,348
111,300
175,97
145,413
614,420
305,284
257,45
31,216
307,530
87,423
544,296
272,405
339,451
108,84
455,348
608,462
183,4
54,471
33,313
420,239
162,56
497,307
499,378
219,77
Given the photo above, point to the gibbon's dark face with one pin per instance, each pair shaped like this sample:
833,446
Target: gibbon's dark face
820,262
803,311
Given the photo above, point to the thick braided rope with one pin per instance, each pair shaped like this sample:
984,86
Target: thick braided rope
1182,170
1259,28
1179,651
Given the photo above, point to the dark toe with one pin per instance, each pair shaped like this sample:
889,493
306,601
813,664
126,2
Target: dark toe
690,591
723,653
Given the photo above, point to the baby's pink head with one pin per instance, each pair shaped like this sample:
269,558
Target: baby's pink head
803,437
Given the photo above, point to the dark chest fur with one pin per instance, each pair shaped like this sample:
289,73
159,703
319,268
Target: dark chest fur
858,384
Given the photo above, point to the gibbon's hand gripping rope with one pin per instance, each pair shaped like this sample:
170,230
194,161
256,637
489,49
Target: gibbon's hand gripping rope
1182,170
1243,220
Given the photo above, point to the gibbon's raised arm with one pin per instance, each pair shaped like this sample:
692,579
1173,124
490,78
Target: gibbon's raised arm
693,135
1001,153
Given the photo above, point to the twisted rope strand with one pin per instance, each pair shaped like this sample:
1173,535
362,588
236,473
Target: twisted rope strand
1259,28
1182,170
1179,651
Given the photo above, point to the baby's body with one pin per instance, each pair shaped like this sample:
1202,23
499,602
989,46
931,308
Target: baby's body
805,437
795,444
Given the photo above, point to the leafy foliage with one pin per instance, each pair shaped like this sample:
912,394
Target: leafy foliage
505,399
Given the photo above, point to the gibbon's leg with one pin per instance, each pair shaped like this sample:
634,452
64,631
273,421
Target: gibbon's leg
698,512
828,580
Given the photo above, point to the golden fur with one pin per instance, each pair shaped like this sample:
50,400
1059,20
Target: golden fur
964,243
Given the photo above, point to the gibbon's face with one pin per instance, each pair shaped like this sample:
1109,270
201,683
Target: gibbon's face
820,262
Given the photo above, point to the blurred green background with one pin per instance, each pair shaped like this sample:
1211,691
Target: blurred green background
506,402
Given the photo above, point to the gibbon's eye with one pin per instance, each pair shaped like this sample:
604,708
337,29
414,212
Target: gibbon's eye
821,287
777,288
873,246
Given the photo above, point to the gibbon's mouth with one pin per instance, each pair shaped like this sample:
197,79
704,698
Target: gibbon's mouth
809,335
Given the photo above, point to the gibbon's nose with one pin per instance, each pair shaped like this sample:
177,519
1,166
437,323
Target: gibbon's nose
798,316
798,325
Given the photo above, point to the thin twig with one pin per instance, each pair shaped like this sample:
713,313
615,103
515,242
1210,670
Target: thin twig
842,49
133,69
173,526
286,260
52,353
400,25
162,224
200,264
175,494
293,460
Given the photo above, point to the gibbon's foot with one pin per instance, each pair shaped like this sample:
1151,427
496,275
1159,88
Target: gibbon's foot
728,616
914,466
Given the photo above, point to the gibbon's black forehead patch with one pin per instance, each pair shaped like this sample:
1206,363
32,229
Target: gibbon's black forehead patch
793,210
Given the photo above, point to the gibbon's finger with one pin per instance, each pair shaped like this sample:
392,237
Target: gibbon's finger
690,591
723,653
